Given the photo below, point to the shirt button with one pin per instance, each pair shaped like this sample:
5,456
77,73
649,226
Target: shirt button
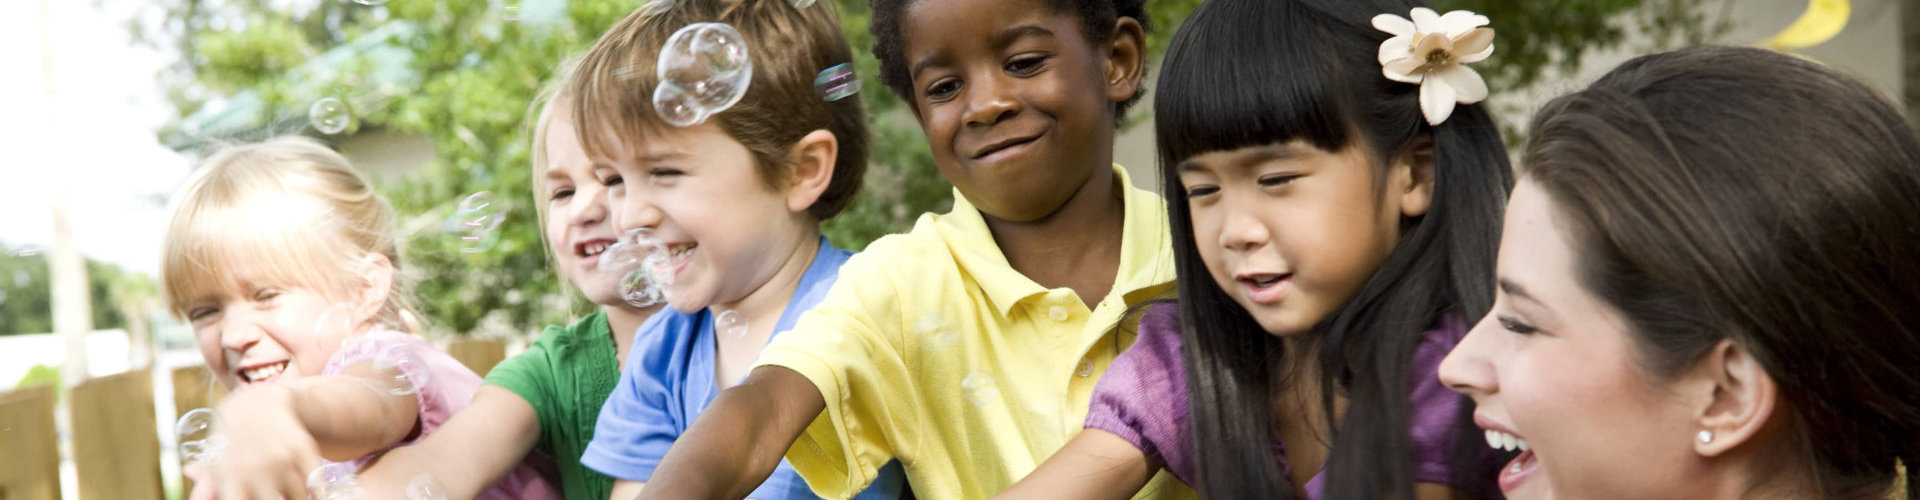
1057,313
1086,368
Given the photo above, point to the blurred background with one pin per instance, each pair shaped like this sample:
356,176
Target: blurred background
108,104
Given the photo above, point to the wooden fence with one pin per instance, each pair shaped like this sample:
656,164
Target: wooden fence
115,444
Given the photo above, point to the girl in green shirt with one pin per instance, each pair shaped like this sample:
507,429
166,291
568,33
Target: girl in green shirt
547,398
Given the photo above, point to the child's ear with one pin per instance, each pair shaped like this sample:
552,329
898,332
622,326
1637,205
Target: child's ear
1733,397
1412,177
812,169
376,281
1126,59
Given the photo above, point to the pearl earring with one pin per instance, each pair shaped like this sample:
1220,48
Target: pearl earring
1706,437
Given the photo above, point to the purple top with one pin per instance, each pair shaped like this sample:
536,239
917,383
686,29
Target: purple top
1143,399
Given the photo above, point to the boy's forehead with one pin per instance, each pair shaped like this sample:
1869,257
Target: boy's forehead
653,144
932,28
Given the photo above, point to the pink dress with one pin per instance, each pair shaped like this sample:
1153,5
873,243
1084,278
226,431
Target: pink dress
444,387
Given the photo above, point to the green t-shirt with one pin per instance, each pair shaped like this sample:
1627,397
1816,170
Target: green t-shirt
566,376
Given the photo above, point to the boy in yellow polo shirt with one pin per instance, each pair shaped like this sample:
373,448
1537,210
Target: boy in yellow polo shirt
967,348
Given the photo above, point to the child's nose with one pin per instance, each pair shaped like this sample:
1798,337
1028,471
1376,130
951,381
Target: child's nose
1466,370
638,211
989,103
591,206
237,333
1241,232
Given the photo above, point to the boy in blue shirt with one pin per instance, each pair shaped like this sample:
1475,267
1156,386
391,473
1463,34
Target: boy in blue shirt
734,201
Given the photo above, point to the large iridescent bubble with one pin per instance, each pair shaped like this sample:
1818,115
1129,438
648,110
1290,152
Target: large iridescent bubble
703,69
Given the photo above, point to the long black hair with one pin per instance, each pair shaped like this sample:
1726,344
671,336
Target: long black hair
1245,73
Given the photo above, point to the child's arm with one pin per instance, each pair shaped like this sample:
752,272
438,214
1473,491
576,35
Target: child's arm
467,454
277,433
739,440
1094,464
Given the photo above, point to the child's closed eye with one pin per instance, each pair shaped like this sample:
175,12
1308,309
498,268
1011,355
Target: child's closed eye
1516,326
1201,191
664,176
561,194
1277,180
197,314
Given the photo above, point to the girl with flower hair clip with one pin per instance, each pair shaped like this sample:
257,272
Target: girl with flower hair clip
1335,197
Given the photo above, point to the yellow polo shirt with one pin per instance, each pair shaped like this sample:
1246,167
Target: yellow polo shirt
933,350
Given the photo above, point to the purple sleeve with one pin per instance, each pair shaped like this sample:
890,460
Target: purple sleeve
1143,396
1435,408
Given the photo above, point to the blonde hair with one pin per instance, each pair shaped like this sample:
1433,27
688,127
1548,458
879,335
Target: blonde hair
789,46
293,213
552,96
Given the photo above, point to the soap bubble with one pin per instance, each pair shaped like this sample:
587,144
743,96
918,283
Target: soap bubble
477,222
980,388
837,82
329,116
637,290
423,487
703,69
676,107
334,326
629,251
411,370
731,324
194,432
334,481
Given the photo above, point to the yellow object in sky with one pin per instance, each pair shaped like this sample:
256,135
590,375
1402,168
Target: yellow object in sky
1822,20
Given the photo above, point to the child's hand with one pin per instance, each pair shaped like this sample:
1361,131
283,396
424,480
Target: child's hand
204,481
269,452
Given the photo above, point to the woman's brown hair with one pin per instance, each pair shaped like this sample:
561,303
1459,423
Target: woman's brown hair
1734,193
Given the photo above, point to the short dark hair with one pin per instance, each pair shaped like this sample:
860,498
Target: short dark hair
789,47
1096,21
1721,193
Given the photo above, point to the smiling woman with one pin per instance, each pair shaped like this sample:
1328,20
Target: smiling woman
1707,288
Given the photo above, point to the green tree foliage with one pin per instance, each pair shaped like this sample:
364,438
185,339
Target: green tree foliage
26,300
470,67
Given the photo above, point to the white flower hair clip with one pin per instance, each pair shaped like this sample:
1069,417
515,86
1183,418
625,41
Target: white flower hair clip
1432,51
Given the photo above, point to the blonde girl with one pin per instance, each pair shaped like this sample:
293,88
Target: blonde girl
284,261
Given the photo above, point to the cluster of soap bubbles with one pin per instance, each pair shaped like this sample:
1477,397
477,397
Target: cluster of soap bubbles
703,70
476,222
329,116
337,481
645,269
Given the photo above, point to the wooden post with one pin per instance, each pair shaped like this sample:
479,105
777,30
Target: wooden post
27,439
193,387
116,449
478,354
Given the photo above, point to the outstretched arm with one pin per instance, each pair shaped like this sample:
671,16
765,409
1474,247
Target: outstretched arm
739,440
277,433
467,454
1094,465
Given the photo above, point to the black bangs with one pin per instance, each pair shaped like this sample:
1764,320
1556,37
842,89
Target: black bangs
1241,74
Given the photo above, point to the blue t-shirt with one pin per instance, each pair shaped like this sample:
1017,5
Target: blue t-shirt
669,381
